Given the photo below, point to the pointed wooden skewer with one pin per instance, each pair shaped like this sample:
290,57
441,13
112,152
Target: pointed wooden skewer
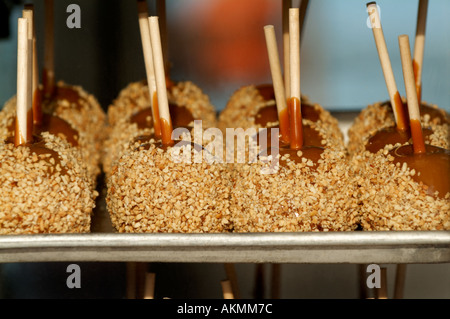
259,282
419,46
394,96
296,129
131,275
400,278
226,289
382,292
277,80
232,278
149,289
24,118
28,13
411,95
276,281
163,103
48,75
149,68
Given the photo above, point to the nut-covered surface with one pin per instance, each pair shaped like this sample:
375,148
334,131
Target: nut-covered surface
42,195
389,199
379,115
90,150
150,191
86,115
246,102
134,98
296,198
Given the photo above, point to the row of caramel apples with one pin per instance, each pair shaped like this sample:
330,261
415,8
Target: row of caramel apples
392,175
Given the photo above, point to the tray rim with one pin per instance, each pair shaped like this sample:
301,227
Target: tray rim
309,247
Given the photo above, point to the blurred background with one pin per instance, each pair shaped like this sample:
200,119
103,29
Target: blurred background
220,46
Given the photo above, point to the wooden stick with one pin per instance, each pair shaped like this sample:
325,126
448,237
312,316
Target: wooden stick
149,290
277,80
48,76
28,13
285,21
419,45
382,292
232,277
276,281
411,95
161,13
400,278
227,290
362,278
394,96
23,131
148,60
259,282
131,275
166,122
296,130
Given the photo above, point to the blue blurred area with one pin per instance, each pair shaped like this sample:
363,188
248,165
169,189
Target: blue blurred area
341,69
340,66
8,60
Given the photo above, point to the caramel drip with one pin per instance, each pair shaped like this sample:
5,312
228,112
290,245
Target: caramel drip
312,148
169,83
156,121
284,126
68,94
416,79
269,114
312,153
432,167
296,132
434,113
54,125
311,137
19,138
166,132
143,118
391,136
59,127
180,115
266,91
417,137
145,141
287,154
37,146
387,136
401,110
37,107
48,82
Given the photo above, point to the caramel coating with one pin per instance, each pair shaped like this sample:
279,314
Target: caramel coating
44,188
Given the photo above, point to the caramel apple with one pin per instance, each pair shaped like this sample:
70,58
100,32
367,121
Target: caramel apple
153,188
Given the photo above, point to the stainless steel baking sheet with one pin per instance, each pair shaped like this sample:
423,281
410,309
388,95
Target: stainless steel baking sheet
104,245
345,247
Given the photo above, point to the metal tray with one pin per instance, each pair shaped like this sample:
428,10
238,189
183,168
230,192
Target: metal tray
104,245
352,247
